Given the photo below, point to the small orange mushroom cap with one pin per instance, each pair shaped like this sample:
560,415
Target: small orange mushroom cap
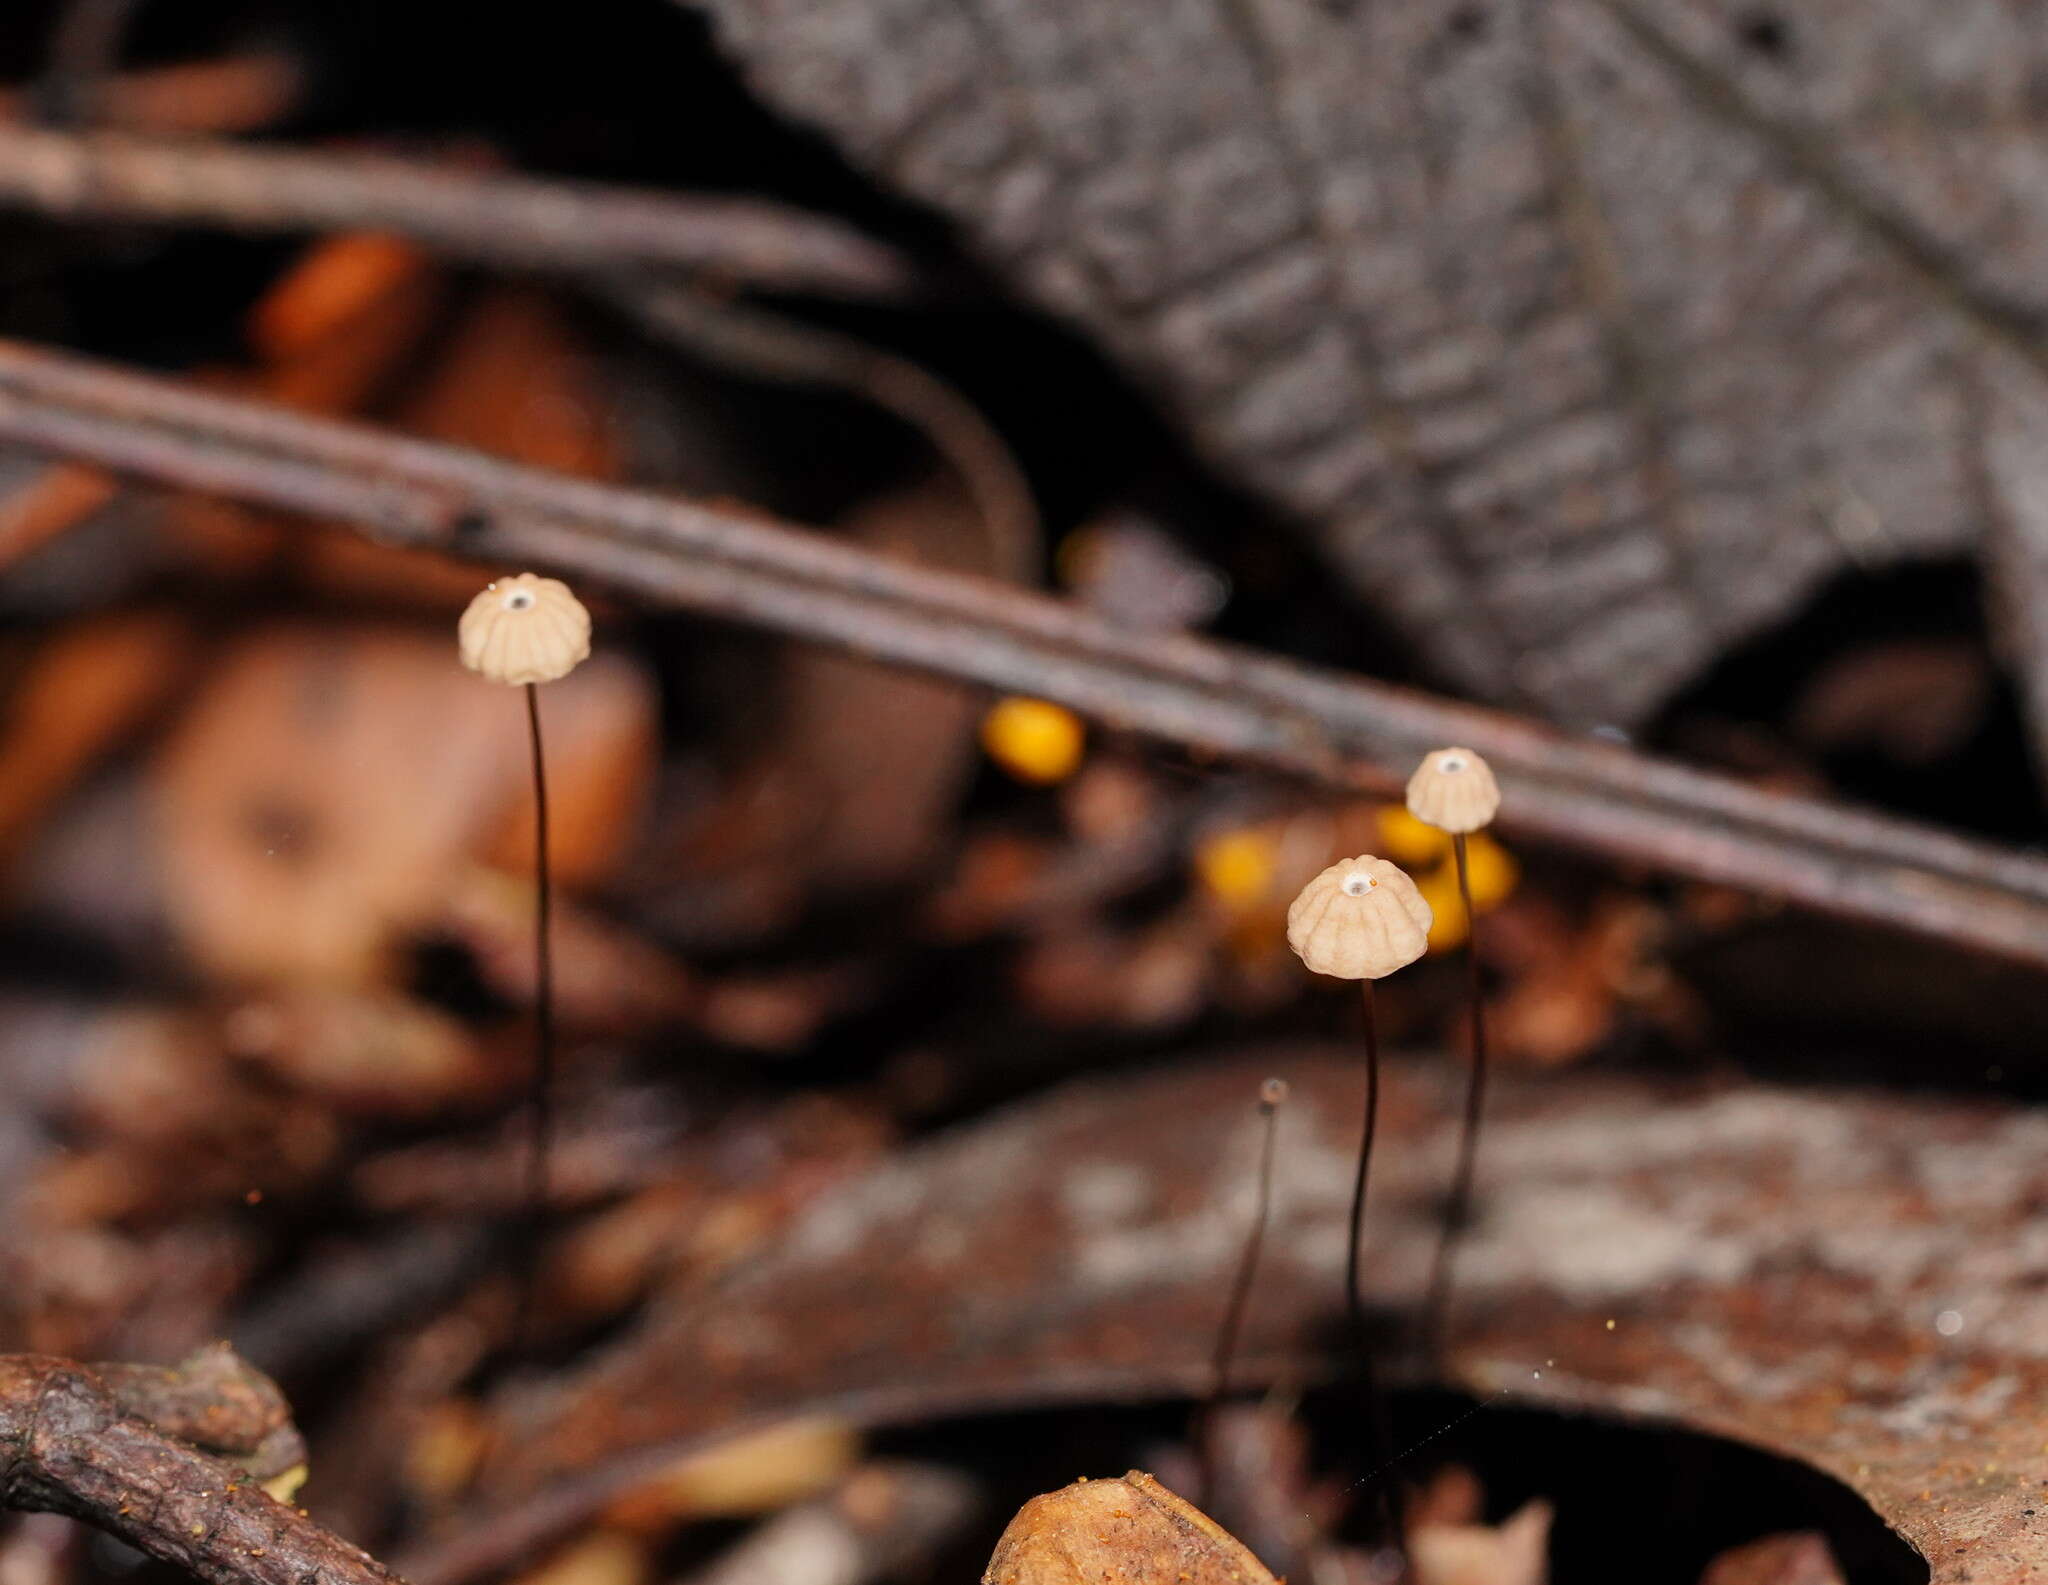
1453,789
525,629
1361,919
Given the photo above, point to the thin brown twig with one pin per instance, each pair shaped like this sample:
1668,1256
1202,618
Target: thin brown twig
1340,730
102,1446
1458,1208
522,221
1272,1093
1379,1431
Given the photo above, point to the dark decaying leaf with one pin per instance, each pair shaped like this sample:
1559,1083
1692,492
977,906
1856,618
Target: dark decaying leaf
1587,336
1850,1279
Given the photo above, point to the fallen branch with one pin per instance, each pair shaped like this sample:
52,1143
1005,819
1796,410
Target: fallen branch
522,221
1339,730
114,1448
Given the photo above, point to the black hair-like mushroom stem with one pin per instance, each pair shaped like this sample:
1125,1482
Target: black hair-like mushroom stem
1272,1096
1453,789
524,631
1362,919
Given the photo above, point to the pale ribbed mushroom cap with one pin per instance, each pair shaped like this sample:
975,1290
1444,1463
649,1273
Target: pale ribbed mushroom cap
525,629
1453,789
1360,919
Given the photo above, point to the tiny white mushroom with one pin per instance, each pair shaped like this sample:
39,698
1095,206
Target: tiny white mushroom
1453,789
1360,919
525,629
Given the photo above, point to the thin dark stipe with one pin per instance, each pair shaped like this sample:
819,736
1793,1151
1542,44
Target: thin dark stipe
1354,1296
1272,1095
1377,1428
541,1106
1458,1209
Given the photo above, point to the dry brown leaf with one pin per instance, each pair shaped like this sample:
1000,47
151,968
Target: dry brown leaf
331,783
1129,1531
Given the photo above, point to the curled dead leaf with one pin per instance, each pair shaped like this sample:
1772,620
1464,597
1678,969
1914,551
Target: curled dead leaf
1129,1531
331,781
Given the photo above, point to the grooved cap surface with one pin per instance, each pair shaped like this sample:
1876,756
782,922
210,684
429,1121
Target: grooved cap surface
1453,789
1361,919
524,629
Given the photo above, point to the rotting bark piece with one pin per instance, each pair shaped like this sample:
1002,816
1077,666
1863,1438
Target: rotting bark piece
74,1445
1129,1531
217,1401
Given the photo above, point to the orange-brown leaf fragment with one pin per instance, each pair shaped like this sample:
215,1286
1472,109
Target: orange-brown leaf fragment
1131,1531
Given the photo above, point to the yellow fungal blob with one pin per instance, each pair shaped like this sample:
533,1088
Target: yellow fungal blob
1034,740
1237,867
